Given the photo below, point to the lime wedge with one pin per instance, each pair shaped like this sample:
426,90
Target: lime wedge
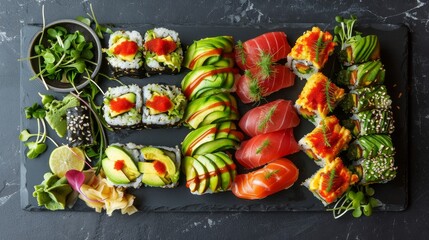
64,158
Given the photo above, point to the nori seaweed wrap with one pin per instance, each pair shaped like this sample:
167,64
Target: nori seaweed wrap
375,121
79,127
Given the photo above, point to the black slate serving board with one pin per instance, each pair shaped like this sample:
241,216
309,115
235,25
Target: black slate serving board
394,195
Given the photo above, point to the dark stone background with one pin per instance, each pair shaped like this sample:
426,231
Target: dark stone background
19,224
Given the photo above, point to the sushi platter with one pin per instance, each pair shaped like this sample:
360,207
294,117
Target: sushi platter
175,196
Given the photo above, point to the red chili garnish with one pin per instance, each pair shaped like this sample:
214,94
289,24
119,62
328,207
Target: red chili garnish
121,104
160,46
159,167
159,103
126,48
119,164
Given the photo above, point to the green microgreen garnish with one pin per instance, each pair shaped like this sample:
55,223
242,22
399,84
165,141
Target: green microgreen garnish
345,31
99,29
264,145
269,174
37,147
359,201
266,119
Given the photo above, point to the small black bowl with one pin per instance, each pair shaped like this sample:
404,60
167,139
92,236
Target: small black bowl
90,36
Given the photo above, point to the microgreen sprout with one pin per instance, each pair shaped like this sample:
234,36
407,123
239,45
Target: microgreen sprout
359,201
345,31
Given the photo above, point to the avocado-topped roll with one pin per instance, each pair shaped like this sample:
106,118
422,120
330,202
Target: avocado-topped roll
164,105
379,169
331,182
124,54
363,75
160,166
216,51
162,51
370,146
311,52
318,98
363,99
375,121
326,141
122,106
79,127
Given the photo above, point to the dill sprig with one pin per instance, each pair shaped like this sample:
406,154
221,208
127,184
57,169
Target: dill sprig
265,144
269,174
331,180
325,133
255,90
265,65
320,45
329,95
241,53
267,118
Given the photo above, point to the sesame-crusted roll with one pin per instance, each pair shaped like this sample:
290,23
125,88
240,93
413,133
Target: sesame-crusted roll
375,121
79,127
380,169
370,146
359,100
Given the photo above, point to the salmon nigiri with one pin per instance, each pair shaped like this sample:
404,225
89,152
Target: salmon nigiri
258,82
271,46
264,148
274,116
277,175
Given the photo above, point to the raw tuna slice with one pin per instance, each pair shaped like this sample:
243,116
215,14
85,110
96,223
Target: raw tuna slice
264,148
268,47
270,117
255,84
275,176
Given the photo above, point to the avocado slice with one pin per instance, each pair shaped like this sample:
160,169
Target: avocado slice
198,109
197,137
216,146
229,162
153,180
115,176
219,116
224,128
130,97
212,172
115,153
202,175
152,153
223,171
192,181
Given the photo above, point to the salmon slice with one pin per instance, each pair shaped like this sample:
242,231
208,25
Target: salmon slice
277,175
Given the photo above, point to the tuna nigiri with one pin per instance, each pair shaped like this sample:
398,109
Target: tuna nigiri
275,176
270,117
271,47
256,83
264,148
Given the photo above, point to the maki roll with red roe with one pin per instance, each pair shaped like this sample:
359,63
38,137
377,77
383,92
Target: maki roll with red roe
124,54
164,105
162,51
122,106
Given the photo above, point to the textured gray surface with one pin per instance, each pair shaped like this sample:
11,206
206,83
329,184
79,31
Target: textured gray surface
18,224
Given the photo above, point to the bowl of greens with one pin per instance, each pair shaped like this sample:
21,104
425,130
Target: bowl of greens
65,55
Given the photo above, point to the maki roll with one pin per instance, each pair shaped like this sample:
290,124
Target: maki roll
326,141
311,52
208,80
318,98
363,99
370,146
79,127
331,182
160,166
164,105
216,51
124,54
379,169
363,75
120,165
162,51
122,106
375,121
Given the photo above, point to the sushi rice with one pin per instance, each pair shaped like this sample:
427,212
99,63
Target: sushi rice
131,118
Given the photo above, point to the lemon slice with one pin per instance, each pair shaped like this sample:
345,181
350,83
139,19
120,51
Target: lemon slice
64,158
